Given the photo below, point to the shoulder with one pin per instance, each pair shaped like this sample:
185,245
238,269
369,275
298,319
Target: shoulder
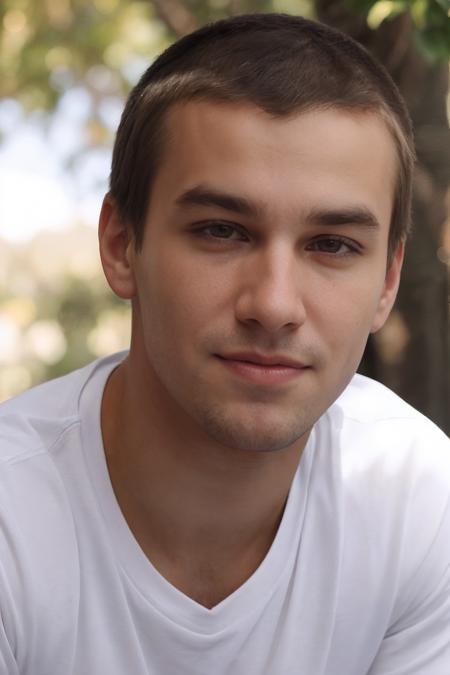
37,428
40,448
34,421
372,419
40,466
394,471
367,400
388,443
40,453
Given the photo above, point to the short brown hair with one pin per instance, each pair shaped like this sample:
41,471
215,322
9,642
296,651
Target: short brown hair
283,64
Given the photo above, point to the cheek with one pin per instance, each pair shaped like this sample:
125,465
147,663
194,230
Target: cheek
177,306
345,317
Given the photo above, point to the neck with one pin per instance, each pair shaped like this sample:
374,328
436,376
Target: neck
199,510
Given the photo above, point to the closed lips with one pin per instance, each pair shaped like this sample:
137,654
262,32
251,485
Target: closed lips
263,360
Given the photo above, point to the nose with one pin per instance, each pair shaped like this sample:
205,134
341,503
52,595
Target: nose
269,291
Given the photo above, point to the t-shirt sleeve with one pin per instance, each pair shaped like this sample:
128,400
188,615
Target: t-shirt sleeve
418,642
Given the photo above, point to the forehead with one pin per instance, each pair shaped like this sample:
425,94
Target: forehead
314,155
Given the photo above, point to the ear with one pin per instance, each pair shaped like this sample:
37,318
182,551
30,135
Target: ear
116,250
390,288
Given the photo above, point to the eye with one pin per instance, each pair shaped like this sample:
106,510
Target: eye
336,246
220,230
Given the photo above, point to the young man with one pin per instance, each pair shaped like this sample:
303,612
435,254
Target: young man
229,498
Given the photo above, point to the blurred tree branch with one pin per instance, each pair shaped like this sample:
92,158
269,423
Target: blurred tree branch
176,15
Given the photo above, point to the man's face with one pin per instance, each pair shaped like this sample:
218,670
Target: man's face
268,237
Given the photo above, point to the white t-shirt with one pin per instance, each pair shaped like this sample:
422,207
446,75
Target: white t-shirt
356,582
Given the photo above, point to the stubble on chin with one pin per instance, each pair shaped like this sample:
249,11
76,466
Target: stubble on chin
253,431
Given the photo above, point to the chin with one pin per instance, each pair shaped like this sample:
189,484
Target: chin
254,435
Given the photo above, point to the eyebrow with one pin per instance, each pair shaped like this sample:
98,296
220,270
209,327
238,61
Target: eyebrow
354,215
204,196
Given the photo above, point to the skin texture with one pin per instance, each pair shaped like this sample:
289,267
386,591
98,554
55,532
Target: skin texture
201,458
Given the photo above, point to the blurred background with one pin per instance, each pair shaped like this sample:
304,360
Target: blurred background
66,68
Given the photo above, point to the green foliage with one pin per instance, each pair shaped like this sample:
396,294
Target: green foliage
49,47
57,312
434,33
77,308
430,17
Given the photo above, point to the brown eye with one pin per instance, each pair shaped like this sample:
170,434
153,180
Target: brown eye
336,246
330,245
220,230
223,231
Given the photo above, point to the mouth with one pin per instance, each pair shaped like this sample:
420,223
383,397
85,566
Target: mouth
262,369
